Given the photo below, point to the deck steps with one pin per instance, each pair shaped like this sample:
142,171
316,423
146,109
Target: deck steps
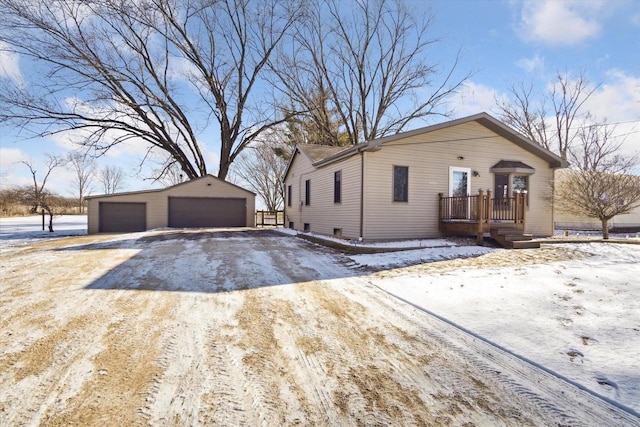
512,238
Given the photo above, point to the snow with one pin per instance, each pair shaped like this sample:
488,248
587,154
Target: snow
392,244
396,259
18,231
579,319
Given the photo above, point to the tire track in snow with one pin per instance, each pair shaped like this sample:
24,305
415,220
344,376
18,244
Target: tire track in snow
555,396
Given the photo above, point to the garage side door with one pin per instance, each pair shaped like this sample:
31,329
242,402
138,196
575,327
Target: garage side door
122,217
192,212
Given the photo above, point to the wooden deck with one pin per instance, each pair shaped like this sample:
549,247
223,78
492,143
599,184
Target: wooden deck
503,218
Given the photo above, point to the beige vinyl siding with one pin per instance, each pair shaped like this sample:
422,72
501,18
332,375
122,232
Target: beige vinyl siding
323,215
158,201
429,157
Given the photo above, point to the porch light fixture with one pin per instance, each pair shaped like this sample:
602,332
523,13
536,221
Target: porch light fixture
476,173
460,157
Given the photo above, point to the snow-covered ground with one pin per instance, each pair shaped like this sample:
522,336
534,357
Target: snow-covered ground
17,231
578,318
571,309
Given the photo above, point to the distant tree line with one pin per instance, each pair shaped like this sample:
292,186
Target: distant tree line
21,201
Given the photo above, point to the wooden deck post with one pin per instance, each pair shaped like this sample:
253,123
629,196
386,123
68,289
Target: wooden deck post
524,209
480,217
440,225
489,207
516,208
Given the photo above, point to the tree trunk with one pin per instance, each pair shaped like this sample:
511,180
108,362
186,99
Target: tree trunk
605,228
50,222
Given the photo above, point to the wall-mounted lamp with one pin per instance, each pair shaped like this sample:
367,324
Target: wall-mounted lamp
460,157
476,173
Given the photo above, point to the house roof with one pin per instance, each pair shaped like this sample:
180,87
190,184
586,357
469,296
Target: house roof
510,164
488,122
317,152
157,190
321,155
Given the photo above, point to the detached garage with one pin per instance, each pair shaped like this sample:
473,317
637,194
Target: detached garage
202,202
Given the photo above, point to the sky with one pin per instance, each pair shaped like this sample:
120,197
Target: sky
501,43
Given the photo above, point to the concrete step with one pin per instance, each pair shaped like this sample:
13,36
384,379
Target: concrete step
525,244
504,229
517,237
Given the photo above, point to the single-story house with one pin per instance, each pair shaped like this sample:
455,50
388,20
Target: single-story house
203,202
410,185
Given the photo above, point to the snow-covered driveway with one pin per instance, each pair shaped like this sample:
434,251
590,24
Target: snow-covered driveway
244,328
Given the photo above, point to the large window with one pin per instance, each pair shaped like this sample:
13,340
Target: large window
289,196
337,187
400,183
307,192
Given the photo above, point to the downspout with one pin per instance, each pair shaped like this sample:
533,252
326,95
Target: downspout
361,194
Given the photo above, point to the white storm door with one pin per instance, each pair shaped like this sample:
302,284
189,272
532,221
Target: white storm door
459,189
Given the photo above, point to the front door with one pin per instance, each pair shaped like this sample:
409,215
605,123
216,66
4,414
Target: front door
459,189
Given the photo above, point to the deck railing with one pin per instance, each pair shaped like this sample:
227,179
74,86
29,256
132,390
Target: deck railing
482,209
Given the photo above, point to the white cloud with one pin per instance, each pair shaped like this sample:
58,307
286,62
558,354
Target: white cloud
12,173
560,22
10,156
618,101
532,65
475,98
9,65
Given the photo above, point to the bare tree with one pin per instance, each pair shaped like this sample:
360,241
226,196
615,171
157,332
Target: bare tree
568,98
171,176
368,62
555,130
111,177
40,197
525,113
261,169
601,186
84,170
127,71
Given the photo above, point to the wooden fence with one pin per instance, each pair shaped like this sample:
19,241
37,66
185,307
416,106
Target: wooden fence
269,218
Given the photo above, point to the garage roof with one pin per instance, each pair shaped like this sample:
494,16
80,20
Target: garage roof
156,190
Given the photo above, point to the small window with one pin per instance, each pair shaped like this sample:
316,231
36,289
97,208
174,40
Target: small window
307,226
400,183
337,187
307,192
520,183
337,232
289,196
291,224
